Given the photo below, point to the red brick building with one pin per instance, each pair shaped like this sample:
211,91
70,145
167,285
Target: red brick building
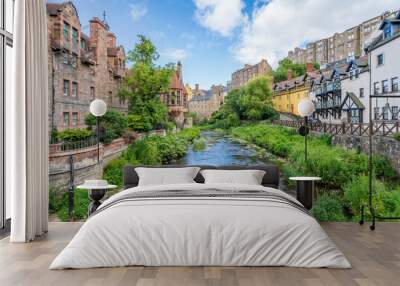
81,67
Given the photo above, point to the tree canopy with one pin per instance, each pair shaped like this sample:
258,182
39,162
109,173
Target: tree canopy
143,85
280,73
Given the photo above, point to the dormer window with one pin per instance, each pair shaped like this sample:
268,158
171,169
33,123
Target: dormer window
387,31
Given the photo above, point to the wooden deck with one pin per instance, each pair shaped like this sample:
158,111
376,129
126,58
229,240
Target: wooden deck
375,257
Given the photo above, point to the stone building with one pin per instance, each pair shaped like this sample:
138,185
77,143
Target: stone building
346,45
81,67
177,98
205,102
248,72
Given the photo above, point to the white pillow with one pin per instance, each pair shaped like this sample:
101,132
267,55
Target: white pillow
166,176
247,177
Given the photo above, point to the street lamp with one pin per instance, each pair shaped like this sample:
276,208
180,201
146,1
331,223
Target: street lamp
98,108
306,108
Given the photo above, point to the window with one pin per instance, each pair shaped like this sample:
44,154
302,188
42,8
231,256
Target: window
65,58
376,88
385,112
387,32
395,112
380,59
362,92
74,121
66,87
395,84
92,92
74,92
376,113
66,119
355,116
385,86
75,35
74,60
66,31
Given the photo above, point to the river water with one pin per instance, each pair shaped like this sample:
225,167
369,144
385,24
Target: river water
222,150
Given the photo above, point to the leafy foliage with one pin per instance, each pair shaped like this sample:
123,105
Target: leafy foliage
280,73
81,202
328,208
143,85
250,102
74,135
112,125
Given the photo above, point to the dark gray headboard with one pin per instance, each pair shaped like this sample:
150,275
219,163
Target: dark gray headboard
271,177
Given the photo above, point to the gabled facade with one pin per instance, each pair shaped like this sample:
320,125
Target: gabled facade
384,62
326,92
81,67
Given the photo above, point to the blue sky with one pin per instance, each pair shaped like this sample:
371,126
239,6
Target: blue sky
213,38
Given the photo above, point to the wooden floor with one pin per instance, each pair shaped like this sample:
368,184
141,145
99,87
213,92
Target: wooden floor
375,257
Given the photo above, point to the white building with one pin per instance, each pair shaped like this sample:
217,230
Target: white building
384,61
355,92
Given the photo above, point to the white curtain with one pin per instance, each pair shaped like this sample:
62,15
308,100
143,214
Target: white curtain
27,124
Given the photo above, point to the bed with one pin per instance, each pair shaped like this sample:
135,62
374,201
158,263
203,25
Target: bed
199,224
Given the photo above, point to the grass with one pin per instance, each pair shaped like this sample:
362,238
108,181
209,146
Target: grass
342,170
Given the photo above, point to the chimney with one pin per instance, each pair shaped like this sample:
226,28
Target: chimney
196,87
289,74
310,67
179,69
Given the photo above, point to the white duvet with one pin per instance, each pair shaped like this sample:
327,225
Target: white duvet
202,232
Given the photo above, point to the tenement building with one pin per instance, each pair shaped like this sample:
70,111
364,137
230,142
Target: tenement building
248,72
205,102
346,45
81,67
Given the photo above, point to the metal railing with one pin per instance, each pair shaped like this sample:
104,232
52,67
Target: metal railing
382,128
69,146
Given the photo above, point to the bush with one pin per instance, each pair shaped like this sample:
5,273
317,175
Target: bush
74,135
328,208
199,144
397,136
112,125
139,122
81,202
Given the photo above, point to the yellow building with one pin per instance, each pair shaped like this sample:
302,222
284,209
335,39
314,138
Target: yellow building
189,91
287,94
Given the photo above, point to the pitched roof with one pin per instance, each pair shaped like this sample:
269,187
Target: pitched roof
206,95
176,81
355,100
53,8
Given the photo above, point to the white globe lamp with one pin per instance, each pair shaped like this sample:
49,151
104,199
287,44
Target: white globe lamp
98,108
306,108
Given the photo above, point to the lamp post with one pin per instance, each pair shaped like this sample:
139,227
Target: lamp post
98,108
306,108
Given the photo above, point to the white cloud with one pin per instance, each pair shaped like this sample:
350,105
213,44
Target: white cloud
220,16
175,54
138,11
278,26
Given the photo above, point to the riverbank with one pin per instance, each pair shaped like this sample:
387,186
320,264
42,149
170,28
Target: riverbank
344,184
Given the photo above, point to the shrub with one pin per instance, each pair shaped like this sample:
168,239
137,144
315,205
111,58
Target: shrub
199,144
112,125
328,208
397,136
139,122
81,202
74,135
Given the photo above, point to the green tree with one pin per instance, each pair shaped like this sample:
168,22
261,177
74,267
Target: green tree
112,125
144,84
280,73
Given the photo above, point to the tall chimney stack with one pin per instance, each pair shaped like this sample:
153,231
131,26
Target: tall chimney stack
179,69
289,74
310,68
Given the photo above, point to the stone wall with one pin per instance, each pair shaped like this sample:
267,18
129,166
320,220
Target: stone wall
386,146
85,163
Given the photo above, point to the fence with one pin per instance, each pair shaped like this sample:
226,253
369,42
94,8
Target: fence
360,129
68,146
